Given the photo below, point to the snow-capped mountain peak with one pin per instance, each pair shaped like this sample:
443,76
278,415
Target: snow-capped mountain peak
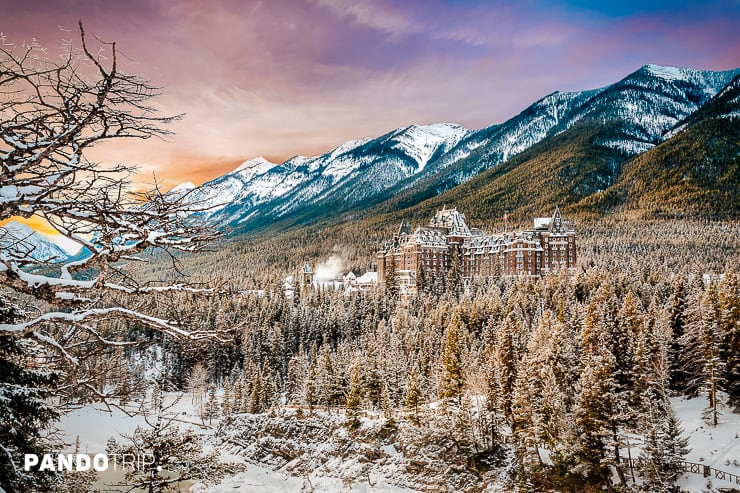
421,142
665,72
710,82
183,187
252,167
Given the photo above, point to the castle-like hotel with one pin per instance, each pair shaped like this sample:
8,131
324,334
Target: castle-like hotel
448,247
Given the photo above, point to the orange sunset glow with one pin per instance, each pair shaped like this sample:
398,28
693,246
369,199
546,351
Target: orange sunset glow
39,224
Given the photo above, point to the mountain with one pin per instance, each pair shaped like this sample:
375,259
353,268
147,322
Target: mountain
694,173
647,104
411,164
356,170
21,239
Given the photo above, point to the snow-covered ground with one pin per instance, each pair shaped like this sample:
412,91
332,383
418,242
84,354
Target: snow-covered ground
95,425
258,479
716,447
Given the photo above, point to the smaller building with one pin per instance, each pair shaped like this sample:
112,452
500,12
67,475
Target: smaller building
349,282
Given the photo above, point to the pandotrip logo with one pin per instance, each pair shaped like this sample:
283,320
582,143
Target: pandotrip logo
87,462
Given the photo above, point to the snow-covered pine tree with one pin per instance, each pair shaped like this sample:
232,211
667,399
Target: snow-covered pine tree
211,409
729,304
452,381
237,395
507,360
372,373
226,401
388,408
595,417
310,387
296,381
414,395
523,420
256,398
691,355
677,306
27,414
630,322
664,447
353,408
330,382
713,366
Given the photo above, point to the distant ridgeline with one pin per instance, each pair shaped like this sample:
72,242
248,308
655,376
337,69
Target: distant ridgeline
447,251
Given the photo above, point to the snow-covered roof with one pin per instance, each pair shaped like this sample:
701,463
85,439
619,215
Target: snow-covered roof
367,278
451,219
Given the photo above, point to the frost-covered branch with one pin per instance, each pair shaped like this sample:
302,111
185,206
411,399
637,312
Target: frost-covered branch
52,111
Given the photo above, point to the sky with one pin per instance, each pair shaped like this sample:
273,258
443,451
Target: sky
279,78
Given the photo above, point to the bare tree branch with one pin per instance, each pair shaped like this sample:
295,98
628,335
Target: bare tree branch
51,112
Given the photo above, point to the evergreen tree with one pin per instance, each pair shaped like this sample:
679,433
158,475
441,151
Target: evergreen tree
26,414
296,380
691,355
523,422
507,361
494,415
712,369
309,390
630,320
212,405
226,399
595,418
664,447
388,408
729,304
354,398
330,388
452,380
372,381
413,395
256,399
238,396
677,304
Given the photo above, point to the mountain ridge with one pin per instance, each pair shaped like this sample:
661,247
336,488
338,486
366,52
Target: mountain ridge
417,162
